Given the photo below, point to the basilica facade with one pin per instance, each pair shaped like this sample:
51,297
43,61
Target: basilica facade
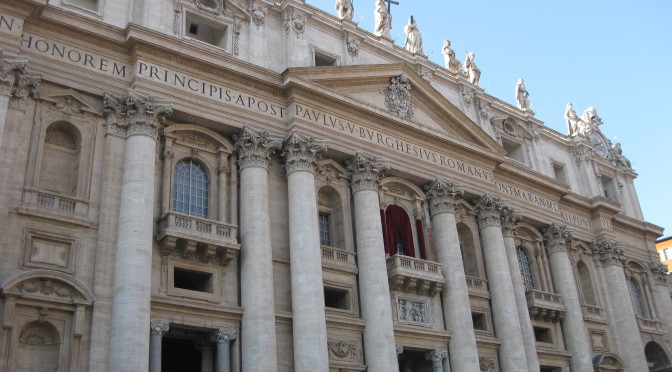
257,186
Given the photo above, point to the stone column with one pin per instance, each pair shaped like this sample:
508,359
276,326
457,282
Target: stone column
503,300
443,197
223,338
374,288
157,329
223,170
138,118
205,347
509,220
256,257
309,323
558,242
15,85
661,293
437,357
622,320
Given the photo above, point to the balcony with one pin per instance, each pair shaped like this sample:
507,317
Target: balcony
593,313
649,325
477,287
413,275
545,306
55,203
197,238
339,259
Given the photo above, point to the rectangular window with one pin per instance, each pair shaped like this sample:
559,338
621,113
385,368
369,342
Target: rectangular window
337,298
543,335
205,30
560,173
325,229
514,150
324,60
479,321
192,280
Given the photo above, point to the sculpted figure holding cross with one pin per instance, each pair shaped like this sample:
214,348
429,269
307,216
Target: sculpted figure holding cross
413,38
383,19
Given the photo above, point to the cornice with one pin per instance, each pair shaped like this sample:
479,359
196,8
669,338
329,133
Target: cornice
533,178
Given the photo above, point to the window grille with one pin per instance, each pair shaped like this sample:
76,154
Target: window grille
525,268
325,229
190,189
637,298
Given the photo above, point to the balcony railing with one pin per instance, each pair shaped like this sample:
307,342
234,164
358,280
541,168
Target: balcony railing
338,258
477,286
595,313
197,238
649,325
413,275
55,202
545,306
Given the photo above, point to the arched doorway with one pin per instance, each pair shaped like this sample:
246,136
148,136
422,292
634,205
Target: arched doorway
656,356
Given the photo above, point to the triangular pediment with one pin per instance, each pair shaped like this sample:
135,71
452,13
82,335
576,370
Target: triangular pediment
376,88
68,101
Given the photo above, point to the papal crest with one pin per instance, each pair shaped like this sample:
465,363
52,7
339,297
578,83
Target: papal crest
398,96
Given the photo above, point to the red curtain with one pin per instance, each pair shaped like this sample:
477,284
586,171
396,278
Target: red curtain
421,238
398,229
386,235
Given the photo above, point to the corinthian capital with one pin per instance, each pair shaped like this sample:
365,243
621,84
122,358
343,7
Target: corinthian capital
159,327
15,81
659,272
255,148
302,152
436,355
223,336
557,238
135,113
366,171
443,196
490,210
509,221
608,252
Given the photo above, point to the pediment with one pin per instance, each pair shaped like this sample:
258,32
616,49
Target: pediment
376,88
69,101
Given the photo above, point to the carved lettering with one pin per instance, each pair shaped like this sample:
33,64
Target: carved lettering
10,25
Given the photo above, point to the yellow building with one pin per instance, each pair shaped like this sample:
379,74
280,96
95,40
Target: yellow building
664,248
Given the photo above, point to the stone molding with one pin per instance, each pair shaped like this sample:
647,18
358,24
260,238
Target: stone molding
659,271
443,196
436,355
135,114
489,209
223,336
509,221
255,147
302,152
558,238
608,252
158,327
366,171
15,80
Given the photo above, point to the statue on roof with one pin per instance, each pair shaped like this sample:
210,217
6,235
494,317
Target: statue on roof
572,120
617,156
413,38
345,9
582,126
383,19
452,64
473,72
522,95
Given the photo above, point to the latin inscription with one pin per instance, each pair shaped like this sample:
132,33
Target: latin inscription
10,25
575,220
527,196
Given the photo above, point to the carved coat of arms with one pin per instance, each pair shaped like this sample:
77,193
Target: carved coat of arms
398,96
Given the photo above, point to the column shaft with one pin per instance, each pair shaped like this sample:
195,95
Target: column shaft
4,106
309,323
374,288
558,240
155,352
223,357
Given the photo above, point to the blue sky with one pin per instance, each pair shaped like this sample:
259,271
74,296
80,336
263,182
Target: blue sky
613,55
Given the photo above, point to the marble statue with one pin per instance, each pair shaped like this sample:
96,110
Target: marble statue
573,121
413,38
617,155
383,20
345,9
521,96
452,64
473,72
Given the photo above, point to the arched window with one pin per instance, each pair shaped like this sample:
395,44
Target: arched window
656,357
190,189
525,268
637,298
586,284
398,232
59,167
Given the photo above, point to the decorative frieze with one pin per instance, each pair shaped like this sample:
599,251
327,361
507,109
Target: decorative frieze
223,336
557,238
443,196
255,147
295,22
608,252
353,45
158,327
366,171
302,152
258,14
343,350
135,113
487,364
412,311
489,209
659,271
398,96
